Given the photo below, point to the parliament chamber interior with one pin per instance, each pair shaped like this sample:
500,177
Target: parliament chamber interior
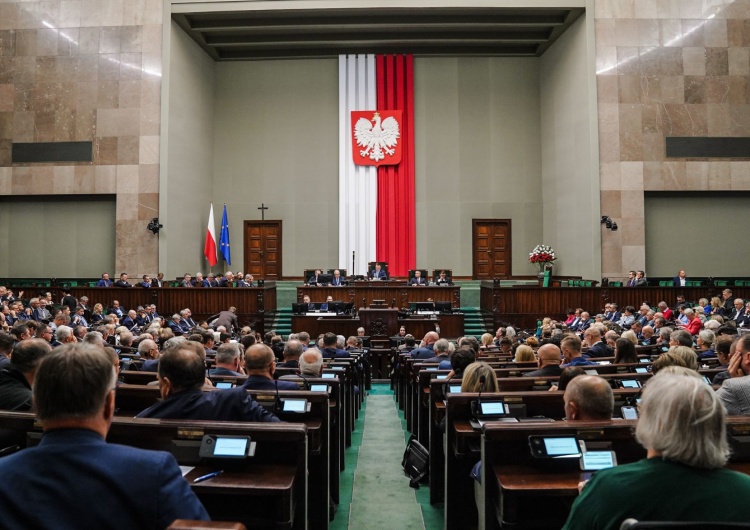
492,227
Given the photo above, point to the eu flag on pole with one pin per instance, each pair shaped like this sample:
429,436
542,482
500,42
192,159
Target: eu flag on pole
224,238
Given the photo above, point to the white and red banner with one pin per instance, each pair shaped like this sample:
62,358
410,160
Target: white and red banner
377,212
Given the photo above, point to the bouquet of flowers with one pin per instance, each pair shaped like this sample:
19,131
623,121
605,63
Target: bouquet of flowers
541,256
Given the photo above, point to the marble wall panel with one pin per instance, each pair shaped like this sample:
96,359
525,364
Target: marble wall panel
74,70
684,64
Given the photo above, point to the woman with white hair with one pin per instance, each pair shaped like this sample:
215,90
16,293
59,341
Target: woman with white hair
682,478
705,343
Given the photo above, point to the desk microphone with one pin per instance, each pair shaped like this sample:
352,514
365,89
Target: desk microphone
277,404
477,405
307,383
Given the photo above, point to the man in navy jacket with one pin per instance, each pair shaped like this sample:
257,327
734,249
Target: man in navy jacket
134,488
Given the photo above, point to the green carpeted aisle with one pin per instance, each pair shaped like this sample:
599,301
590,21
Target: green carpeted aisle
375,493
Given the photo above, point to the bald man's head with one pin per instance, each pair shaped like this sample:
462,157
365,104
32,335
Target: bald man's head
588,398
431,338
549,354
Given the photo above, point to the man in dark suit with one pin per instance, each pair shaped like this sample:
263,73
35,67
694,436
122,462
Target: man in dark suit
149,352
134,488
739,309
680,280
158,281
260,364
549,358
640,279
105,281
116,309
68,300
17,376
427,350
227,360
292,350
337,280
330,349
123,281
181,378
378,273
594,341
417,279
145,282
176,325
247,282
315,278
631,279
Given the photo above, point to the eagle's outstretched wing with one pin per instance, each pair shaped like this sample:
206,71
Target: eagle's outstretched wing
363,132
390,131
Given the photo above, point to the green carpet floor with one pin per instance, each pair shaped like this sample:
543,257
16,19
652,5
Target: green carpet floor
375,493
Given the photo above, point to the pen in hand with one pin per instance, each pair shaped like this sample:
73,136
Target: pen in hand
210,475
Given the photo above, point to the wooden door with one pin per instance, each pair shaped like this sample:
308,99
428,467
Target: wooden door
491,249
263,249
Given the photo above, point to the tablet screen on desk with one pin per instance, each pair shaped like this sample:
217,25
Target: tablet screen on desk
295,405
454,389
230,446
318,388
224,385
561,446
328,376
441,376
493,408
629,383
596,460
641,370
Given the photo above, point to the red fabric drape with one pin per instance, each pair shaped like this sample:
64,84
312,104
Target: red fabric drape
396,240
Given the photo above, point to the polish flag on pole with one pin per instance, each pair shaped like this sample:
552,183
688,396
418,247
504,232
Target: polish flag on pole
210,249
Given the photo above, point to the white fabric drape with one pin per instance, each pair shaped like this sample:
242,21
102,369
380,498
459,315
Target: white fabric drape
358,185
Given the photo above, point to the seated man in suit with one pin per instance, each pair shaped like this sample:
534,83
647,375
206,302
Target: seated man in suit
337,280
442,279
210,281
442,352
292,351
198,280
315,278
593,339
228,360
73,457
130,320
260,364
227,280
330,347
123,281
417,279
324,305
175,326
311,363
145,282
105,281
680,280
549,358
17,376
246,282
149,352
187,281
378,273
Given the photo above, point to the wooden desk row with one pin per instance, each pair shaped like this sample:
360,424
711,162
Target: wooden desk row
252,303
394,293
387,321
523,305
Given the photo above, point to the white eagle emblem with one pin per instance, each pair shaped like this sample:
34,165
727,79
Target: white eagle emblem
377,138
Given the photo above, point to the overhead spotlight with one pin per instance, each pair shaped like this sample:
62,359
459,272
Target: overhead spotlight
154,225
609,223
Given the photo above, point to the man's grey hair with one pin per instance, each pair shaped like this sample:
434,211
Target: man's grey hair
340,342
95,338
311,362
226,353
145,347
63,332
292,349
442,346
684,338
174,341
682,418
